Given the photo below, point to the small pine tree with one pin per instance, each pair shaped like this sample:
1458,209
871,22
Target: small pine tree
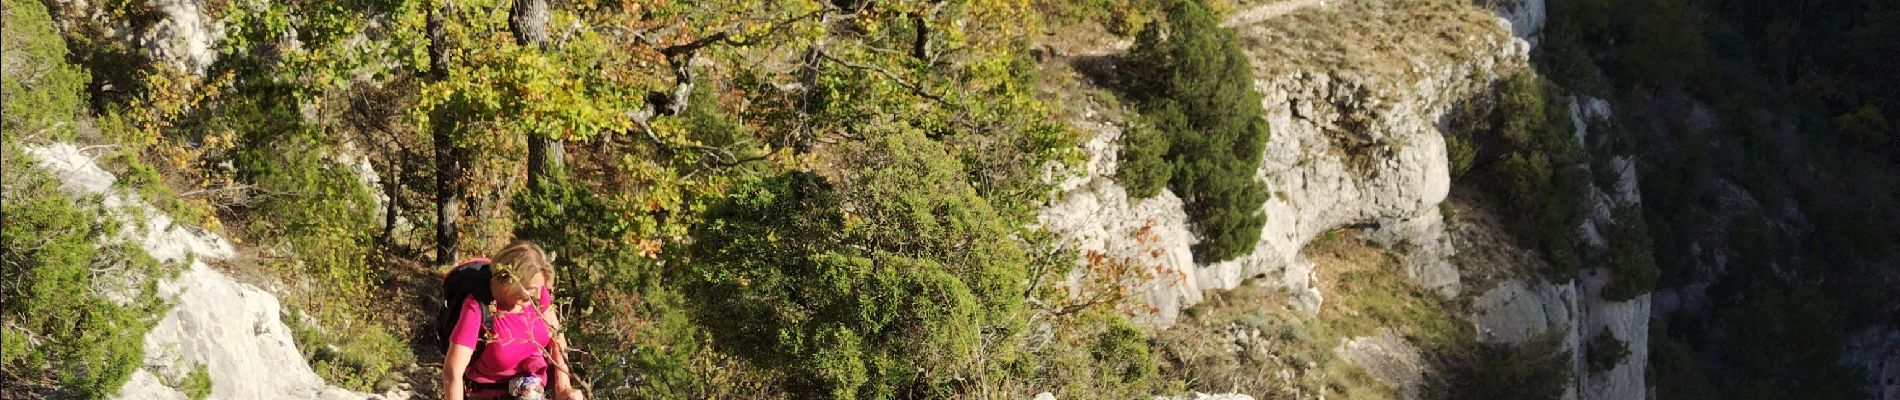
1196,86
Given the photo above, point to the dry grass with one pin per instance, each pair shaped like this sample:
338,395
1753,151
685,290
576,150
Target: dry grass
1487,254
1377,38
1248,339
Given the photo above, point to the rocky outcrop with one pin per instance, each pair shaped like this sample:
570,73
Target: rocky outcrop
1353,143
1388,358
1518,309
1357,96
184,35
234,329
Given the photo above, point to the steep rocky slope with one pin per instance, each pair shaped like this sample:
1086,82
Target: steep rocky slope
235,330
1358,95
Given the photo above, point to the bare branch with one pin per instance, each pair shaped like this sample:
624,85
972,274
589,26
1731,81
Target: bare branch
880,70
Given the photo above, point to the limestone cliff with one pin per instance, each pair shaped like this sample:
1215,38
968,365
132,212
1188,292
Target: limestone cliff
234,329
1358,95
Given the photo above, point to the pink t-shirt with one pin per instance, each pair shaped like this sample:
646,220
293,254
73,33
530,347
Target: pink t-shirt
517,349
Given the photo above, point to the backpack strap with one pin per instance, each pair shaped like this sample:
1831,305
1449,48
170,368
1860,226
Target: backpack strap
487,334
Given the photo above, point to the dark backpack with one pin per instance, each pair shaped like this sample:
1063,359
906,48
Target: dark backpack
469,278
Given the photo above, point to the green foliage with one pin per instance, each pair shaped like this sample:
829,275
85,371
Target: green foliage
1537,369
366,359
1796,337
325,216
197,384
1122,351
1120,17
1460,153
1673,370
1630,256
1196,86
881,284
1534,167
1604,351
1640,43
1096,354
317,222
1144,167
44,94
1865,126
64,321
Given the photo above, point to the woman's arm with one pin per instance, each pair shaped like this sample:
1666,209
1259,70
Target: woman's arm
453,366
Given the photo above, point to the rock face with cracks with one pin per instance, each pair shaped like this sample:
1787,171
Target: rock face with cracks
1357,96
1351,145
234,329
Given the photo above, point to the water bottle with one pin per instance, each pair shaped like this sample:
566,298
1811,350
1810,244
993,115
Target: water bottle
527,388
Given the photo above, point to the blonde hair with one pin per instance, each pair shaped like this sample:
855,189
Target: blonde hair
519,258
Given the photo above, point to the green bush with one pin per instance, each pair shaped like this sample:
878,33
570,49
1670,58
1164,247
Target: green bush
640,339
43,93
1630,256
366,359
1604,351
320,211
880,285
1460,153
1865,126
1120,17
1122,351
1196,87
62,321
1535,169
1537,369
1144,167
314,220
197,384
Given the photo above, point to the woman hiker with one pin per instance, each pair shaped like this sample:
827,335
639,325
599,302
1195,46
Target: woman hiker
505,343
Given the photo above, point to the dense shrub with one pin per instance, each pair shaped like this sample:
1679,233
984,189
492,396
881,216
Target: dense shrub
316,222
1533,164
367,358
196,384
1604,351
77,310
1120,17
1630,256
639,339
1460,152
43,93
77,304
876,287
1196,87
1537,369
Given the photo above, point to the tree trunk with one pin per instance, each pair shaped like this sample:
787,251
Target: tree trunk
529,21
392,188
447,171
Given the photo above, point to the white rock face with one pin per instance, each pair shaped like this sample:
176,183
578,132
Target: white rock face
1388,358
233,329
1346,149
1628,321
1526,18
1428,247
184,37
1516,310
1355,145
